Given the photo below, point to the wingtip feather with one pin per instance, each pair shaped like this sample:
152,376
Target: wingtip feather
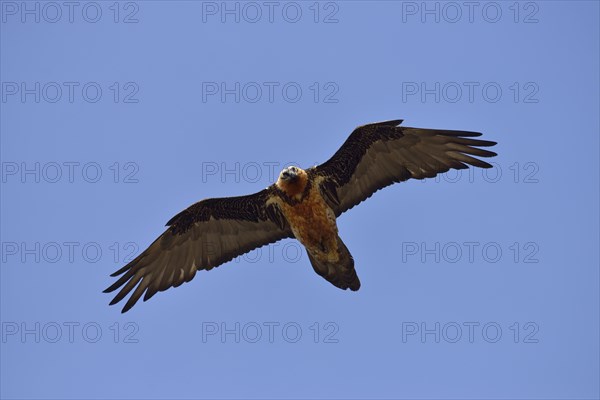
120,271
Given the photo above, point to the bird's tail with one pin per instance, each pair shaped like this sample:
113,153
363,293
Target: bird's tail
340,273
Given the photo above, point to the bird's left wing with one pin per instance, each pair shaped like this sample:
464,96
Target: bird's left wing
377,155
205,235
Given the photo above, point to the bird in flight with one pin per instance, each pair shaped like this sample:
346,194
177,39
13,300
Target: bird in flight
302,204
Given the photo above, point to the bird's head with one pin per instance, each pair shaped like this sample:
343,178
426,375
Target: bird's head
292,180
290,174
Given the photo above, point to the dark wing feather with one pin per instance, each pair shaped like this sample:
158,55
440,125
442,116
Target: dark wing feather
205,235
377,155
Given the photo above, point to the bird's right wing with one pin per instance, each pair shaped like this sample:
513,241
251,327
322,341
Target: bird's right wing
205,235
377,155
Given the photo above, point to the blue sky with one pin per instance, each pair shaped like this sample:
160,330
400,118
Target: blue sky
115,116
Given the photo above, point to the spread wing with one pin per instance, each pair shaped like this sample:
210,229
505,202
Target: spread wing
205,235
377,155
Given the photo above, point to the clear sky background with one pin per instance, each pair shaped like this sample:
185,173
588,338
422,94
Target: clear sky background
480,285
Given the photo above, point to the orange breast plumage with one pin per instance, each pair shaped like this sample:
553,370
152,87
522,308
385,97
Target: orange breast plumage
314,225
